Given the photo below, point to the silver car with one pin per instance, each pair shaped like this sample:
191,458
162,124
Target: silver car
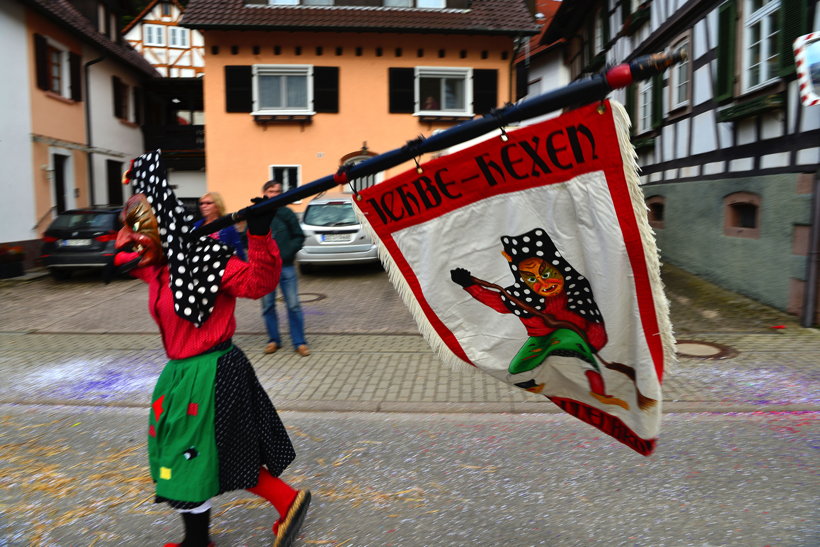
333,234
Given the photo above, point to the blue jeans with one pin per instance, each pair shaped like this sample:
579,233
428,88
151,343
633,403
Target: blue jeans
288,284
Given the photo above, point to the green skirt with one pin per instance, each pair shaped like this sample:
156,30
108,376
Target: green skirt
181,441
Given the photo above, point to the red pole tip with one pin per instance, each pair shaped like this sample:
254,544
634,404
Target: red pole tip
619,76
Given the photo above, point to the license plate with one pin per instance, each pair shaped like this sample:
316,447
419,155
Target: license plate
76,242
336,237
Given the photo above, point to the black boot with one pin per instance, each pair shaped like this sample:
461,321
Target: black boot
196,529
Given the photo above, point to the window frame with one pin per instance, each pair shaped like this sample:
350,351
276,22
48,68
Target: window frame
121,98
643,99
465,74
684,41
146,34
282,70
172,31
63,77
730,227
762,16
287,184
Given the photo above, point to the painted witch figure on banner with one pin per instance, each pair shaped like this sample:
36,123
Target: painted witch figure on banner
211,427
529,256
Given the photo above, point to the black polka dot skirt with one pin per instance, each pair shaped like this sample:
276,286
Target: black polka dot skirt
248,430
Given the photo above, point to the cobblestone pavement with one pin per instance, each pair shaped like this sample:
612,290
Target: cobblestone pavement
81,341
447,458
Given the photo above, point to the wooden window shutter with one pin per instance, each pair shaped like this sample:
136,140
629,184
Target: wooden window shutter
238,88
625,9
657,100
75,70
402,91
41,60
604,26
727,27
793,15
630,105
139,113
115,90
326,89
522,78
485,90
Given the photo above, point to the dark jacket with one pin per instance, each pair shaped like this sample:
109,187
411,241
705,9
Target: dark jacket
285,229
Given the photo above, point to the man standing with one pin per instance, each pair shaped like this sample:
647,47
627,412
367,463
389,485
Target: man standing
288,234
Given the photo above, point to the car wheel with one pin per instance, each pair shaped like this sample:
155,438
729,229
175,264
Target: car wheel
60,275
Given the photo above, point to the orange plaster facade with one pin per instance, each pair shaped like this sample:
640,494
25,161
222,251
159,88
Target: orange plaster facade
57,123
240,151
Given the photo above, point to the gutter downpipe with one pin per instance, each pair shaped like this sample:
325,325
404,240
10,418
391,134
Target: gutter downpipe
90,157
810,296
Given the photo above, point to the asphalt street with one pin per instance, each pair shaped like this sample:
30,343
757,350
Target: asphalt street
399,450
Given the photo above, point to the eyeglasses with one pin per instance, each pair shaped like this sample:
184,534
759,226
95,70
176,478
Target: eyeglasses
206,202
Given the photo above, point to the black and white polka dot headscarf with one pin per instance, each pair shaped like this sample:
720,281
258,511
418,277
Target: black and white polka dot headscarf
537,243
195,267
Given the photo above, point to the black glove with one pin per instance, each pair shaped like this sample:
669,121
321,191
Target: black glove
110,271
259,224
462,277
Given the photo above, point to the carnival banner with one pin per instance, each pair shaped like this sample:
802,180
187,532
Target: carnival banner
529,256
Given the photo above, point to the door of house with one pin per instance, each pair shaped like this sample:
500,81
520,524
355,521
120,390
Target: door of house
58,162
114,181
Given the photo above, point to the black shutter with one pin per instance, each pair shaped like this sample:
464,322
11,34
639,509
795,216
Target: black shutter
485,90
727,20
75,69
115,90
326,89
238,88
793,18
630,105
402,93
139,108
522,78
41,59
657,100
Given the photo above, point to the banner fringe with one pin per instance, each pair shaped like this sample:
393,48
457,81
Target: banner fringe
653,263
400,284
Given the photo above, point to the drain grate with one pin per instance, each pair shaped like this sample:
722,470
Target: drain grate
703,350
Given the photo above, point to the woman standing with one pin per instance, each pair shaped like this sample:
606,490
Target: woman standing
212,207
212,427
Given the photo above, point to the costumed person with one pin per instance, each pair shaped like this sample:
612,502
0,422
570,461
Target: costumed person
287,232
212,427
553,302
211,206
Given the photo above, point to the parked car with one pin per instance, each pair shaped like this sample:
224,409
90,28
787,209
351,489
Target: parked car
79,239
333,234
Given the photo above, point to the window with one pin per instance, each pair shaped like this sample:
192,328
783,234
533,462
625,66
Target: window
288,175
178,37
430,4
282,89
656,206
644,111
58,70
443,90
761,52
286,90
166,9
153,35
680,78
741,215
121,98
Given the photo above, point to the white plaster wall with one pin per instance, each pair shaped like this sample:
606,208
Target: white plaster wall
109,136
188,184
17,210
549,69
702,91
704,133
772,125
682,144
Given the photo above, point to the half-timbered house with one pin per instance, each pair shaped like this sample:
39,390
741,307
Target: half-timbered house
728,153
